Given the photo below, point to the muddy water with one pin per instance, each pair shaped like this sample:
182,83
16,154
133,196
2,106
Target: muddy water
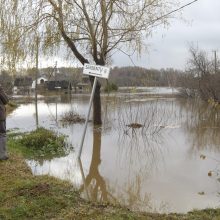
151,154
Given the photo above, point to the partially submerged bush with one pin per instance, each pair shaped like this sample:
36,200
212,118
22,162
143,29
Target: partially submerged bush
72,117
135,125
43,143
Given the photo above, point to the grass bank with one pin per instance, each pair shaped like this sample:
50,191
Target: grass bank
24,196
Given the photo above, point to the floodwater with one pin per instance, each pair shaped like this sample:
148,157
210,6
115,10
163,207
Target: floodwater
153,153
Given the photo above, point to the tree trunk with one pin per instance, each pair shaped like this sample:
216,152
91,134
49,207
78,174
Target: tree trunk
97,109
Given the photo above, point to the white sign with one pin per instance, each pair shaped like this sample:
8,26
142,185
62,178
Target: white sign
96,70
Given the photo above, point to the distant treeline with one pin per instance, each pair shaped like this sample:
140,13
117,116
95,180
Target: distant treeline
127,76
200,79
138,76
120,76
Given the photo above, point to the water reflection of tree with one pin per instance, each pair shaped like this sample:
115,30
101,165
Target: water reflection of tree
144,143
140,151
147,152
137,199
97,188
202,125
94,181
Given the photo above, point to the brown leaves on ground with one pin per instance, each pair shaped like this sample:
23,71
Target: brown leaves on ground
36,190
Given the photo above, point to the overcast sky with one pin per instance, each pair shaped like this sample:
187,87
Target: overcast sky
169,48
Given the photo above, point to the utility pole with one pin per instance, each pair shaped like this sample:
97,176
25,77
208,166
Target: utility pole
36,78
55,72
215,60
56,84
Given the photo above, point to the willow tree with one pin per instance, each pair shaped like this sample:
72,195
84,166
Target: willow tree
92,30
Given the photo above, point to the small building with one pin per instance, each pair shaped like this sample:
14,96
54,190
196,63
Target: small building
41,82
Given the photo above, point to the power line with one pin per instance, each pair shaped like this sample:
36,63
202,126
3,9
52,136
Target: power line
182,7
176,10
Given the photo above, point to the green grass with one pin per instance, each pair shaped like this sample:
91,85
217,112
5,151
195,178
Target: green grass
38,144
24,196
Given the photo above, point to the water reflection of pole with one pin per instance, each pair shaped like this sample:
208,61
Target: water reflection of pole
36,78
83,177
215,60
56,110
56,104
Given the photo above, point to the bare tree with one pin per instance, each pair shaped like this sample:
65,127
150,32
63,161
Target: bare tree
6,81
202,75
92,30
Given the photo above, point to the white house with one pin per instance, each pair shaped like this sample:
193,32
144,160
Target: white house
40,81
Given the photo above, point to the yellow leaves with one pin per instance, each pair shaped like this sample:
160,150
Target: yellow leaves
211,172
203,157
213,103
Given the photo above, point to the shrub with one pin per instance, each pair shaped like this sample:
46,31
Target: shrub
110,87
43,143
72,117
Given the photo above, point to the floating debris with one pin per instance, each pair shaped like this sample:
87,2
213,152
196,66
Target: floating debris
210,173
135,125
169,126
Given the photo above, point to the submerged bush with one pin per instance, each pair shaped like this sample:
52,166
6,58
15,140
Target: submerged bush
43,143
72,117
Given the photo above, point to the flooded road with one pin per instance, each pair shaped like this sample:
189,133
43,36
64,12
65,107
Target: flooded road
153,153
